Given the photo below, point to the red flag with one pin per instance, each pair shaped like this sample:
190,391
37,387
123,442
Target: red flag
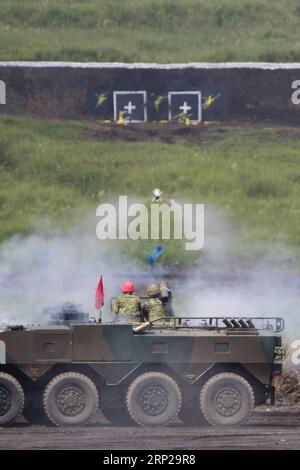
99,299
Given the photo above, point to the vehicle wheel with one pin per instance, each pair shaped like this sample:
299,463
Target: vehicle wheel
227,399
153,399
70,399
11,399
35,415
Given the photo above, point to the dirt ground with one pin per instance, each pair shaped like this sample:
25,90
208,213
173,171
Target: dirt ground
269,428
201,134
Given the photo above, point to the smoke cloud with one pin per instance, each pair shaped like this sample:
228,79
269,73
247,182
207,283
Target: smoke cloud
238,278
45,270
41,271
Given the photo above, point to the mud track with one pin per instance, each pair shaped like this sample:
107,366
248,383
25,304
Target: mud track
269,428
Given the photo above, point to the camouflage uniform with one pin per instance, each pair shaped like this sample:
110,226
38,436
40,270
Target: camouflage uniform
166,298
154,308
128,307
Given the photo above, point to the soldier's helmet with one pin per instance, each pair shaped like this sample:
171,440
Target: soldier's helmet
128,287
153,290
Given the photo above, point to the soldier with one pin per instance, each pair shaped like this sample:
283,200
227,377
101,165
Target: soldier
128,306
166,298
154,308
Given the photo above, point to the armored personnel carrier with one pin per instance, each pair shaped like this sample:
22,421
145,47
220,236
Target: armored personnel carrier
214,368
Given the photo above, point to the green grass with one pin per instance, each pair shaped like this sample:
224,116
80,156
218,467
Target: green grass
52,170
150,30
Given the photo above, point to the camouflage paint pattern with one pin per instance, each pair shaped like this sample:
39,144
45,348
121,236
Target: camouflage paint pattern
114,351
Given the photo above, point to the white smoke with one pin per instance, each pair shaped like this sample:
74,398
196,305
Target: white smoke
238,278
45,270
41,271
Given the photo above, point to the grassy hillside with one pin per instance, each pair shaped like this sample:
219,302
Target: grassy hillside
150,30
52,170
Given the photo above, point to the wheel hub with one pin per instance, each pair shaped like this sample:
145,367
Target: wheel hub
5,400
70,400
153,400
227,401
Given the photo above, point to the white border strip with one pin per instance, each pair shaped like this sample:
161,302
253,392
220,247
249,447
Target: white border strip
194,65
144,93
170,93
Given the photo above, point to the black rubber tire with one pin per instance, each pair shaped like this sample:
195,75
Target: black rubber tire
166,397
36,416
11,399
59,397
227,399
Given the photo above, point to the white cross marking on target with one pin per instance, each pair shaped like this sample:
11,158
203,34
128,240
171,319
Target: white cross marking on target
130,107
185,108
140,105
